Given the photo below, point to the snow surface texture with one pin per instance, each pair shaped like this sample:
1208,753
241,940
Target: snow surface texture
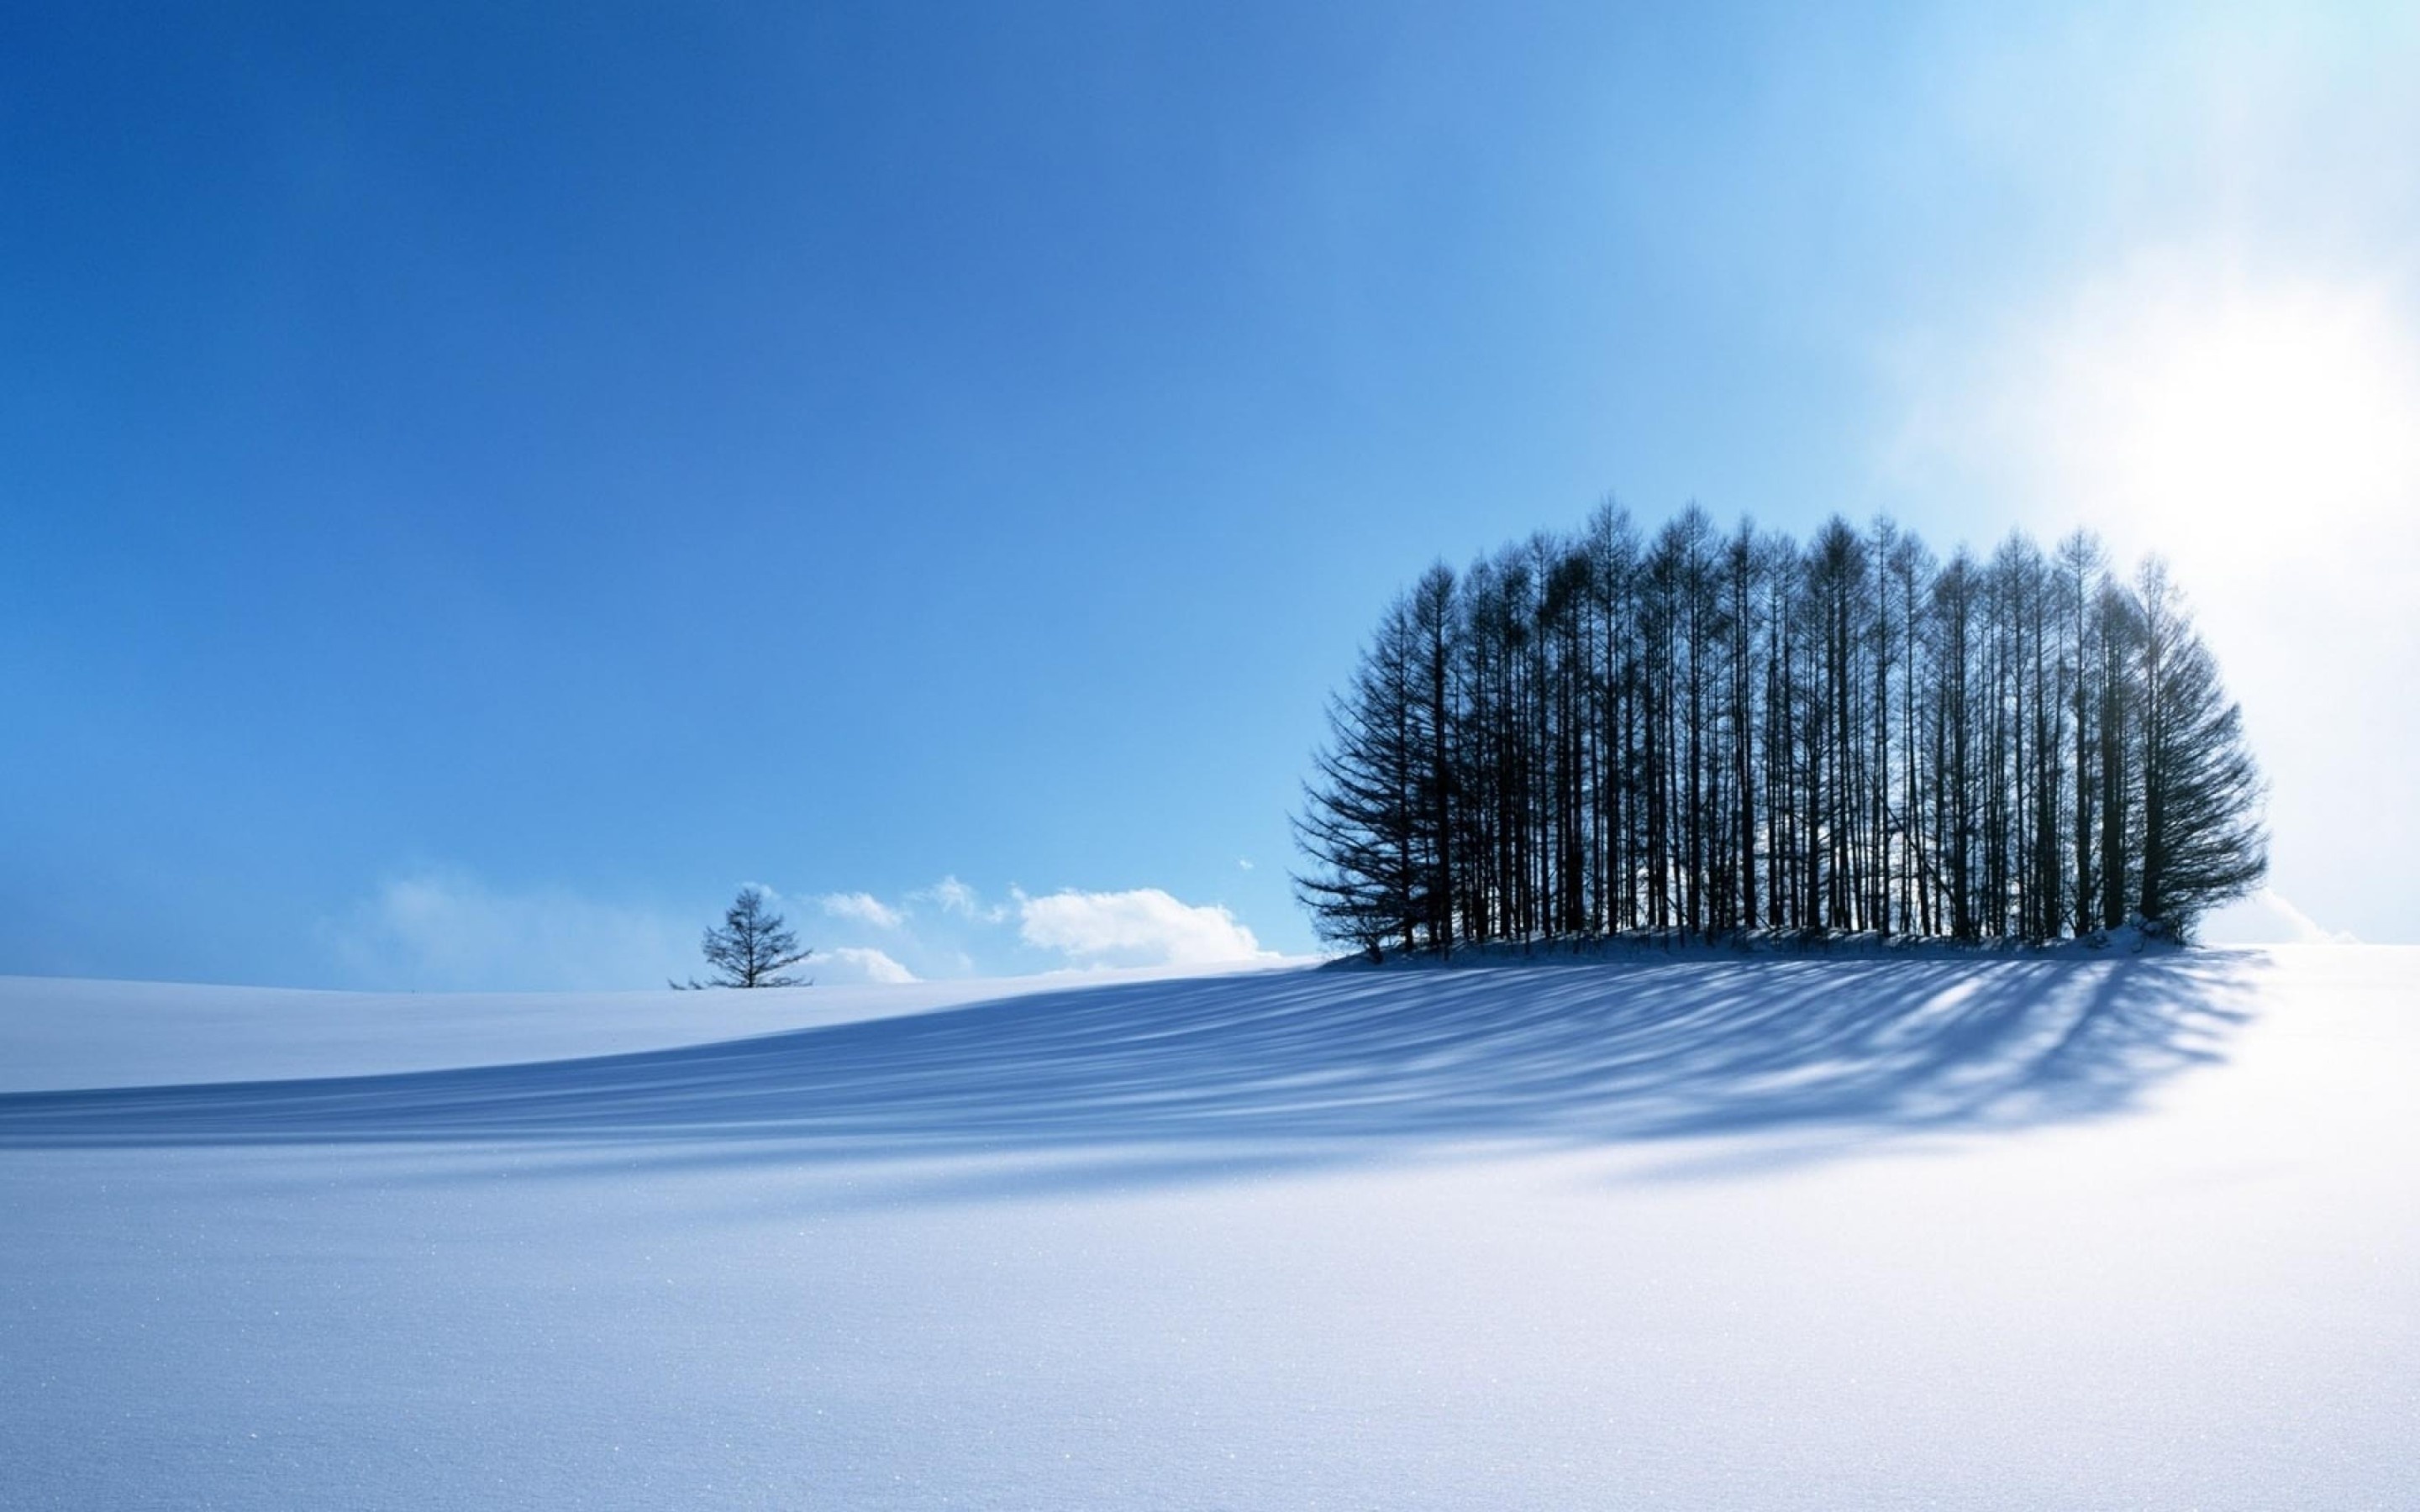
2121,1231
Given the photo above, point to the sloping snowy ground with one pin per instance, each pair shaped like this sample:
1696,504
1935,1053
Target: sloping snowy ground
59,1032
2141,1231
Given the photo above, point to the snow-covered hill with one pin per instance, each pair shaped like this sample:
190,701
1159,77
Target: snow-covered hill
1756,1232
59,1032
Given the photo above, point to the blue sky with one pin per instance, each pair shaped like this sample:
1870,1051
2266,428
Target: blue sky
483,486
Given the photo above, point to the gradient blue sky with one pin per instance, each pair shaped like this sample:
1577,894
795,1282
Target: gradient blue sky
481,483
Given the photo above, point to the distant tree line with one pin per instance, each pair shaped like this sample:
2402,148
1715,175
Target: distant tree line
1704,734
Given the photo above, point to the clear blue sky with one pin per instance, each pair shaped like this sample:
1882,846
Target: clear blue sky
481,483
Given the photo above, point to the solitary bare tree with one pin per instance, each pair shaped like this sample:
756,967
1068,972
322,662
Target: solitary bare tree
753,947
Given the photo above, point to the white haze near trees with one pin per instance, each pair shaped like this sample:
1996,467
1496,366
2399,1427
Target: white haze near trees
2240,392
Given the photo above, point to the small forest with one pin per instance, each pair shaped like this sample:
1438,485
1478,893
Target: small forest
1707,733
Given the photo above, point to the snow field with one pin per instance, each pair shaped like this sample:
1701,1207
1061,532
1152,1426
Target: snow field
1775,1233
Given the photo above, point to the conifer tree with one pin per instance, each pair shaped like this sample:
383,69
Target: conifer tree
753,947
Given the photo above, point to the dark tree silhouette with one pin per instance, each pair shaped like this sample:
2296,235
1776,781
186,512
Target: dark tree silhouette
2202,840
753,947
1693,733
1362,828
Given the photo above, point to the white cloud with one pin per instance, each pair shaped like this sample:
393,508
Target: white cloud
863,907
446,930
1140,928
955,897
856,963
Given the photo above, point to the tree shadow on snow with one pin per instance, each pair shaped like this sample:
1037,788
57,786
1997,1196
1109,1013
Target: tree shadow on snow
1165,1081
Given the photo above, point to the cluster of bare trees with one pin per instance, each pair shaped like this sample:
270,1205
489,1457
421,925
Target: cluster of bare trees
1705,733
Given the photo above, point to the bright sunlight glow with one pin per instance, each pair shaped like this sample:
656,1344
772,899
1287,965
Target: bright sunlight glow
2259,427
2240,429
